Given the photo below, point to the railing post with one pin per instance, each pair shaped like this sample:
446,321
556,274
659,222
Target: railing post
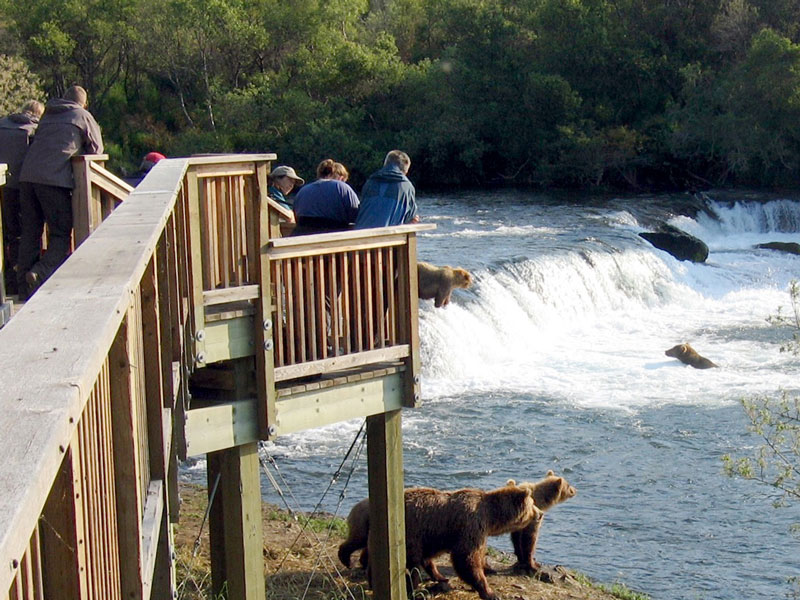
265,346
193,197
81,200
5,307
408,309
126,463
387,540
63,563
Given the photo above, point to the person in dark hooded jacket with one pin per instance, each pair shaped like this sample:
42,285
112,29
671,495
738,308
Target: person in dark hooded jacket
65,130
388,197
16,133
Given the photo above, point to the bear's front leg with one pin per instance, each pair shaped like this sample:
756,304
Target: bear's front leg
524,542
433,571
470,568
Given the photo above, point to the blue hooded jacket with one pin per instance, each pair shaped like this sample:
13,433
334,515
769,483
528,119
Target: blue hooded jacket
388,198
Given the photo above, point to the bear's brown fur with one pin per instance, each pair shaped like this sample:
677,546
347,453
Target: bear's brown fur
688,355
438,282
546,494
457,522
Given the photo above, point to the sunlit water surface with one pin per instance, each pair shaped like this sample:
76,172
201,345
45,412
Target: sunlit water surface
554,359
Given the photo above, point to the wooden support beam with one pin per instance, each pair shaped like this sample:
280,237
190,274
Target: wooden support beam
387,540
236,538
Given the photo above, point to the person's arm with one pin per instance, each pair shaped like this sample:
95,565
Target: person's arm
92,138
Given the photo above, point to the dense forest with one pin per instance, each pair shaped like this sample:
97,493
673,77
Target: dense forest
637,94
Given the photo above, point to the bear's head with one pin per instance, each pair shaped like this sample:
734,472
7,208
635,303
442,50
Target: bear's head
679,351
461,278
549,491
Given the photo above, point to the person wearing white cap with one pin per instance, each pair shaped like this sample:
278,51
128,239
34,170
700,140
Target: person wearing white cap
282,181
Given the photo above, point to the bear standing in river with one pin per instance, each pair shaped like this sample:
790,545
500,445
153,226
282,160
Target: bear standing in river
546,494
457,522
688,355
438,282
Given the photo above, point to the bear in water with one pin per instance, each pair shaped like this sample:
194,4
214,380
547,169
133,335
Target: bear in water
438,282
688,355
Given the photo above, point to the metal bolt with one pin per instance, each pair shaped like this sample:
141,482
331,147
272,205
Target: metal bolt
201,357
416,379
267,345
14,563
267,324
272,430
200,335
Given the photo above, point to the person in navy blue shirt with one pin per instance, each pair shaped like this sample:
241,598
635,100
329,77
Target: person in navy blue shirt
327,204
388,197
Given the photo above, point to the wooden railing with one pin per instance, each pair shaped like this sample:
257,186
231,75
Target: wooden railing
190,270
343,299
86,498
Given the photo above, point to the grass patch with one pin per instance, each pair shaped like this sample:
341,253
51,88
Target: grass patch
618,590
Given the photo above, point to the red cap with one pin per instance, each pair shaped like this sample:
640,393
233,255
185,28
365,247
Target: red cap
153,157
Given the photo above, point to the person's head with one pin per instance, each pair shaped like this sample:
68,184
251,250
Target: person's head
340,172
326,169
399,159
329,169
78,95
284,178
149,160
33,108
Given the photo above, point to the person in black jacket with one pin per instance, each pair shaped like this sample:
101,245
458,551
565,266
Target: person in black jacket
65,130
16,133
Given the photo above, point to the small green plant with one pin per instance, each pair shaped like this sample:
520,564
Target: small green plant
618,590
777,421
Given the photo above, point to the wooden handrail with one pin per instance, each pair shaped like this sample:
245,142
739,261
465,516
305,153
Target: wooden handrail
91,336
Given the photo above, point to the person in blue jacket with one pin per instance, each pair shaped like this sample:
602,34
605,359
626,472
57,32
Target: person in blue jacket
388,197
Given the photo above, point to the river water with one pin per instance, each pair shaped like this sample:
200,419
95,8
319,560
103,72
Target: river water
554,359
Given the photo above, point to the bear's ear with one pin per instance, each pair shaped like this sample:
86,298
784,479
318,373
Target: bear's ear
511,482
550,473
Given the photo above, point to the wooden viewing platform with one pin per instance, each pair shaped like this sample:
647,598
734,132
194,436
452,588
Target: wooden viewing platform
188,324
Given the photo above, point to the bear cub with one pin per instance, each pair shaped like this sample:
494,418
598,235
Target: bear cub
546,493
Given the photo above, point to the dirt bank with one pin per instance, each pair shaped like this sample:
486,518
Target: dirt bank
301,562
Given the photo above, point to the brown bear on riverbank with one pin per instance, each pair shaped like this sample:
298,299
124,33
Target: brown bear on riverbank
438,282
688,355
457,522
546,494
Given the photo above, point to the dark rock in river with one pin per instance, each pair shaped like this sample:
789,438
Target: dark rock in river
790,247
678,243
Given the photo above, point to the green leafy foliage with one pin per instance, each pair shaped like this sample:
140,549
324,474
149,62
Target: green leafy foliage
17,84
624,93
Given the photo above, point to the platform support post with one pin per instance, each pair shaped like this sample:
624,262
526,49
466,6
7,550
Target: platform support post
387,542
